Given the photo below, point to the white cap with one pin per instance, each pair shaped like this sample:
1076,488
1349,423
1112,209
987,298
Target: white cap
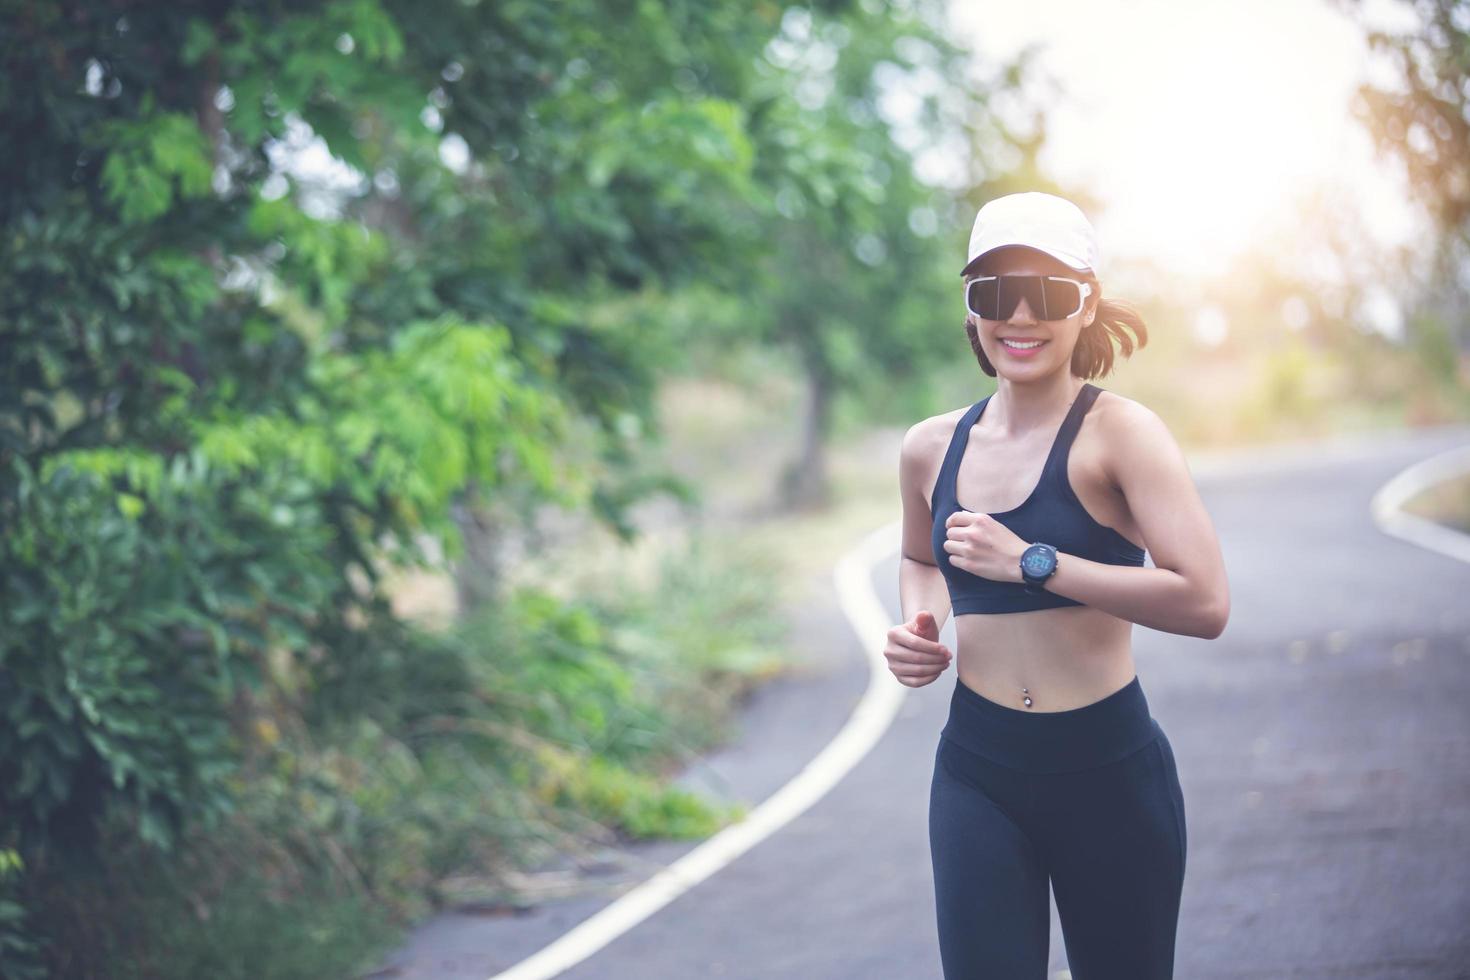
1045,222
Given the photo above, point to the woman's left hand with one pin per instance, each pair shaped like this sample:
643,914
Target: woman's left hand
982,545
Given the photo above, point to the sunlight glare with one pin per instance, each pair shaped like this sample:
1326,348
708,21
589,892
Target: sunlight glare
1199,126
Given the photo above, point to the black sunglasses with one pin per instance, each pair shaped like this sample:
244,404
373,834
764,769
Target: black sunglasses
1049,297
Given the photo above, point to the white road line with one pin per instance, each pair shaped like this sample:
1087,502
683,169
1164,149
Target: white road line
1388,502
867,723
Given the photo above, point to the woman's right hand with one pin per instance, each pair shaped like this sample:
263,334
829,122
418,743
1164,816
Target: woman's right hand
914,652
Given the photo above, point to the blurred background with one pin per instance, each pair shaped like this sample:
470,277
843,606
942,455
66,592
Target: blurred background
418,420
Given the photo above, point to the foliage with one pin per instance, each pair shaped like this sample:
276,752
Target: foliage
520,732
20,953
1423,118
235,387
1417,112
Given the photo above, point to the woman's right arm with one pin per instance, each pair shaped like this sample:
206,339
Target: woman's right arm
914,653
920,583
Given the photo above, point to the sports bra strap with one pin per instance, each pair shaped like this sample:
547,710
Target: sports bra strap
957,443
1070,426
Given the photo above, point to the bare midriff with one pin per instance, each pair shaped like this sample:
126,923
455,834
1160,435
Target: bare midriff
1064,658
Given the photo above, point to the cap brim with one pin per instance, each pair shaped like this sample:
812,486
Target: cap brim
1075,264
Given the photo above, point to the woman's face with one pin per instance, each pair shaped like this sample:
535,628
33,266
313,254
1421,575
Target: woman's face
1058,337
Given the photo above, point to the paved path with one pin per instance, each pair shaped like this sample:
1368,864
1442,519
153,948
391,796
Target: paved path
1323,743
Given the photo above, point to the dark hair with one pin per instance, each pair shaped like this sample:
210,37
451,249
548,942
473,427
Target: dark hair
1093,355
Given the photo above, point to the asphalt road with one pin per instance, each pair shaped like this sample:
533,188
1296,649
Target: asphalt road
1323,743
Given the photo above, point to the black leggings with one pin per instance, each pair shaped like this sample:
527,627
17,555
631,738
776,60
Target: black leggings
1088,799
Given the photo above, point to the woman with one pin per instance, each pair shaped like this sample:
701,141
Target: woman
1028,513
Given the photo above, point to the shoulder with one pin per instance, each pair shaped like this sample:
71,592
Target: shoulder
1132,433
924,437
925,442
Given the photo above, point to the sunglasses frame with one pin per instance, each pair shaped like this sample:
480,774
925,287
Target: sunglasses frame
1084,290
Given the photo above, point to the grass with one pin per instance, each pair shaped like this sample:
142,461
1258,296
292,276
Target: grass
1447,503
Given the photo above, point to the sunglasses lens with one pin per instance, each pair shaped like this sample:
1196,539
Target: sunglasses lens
1060,299
1048,299
983,298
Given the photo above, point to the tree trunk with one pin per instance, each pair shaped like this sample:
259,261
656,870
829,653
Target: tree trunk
804,483
480,571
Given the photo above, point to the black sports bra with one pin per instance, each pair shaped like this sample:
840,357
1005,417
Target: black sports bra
1052,514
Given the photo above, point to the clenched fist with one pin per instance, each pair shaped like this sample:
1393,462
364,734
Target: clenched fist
914,652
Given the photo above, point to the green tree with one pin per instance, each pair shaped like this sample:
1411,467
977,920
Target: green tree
1422,122
232,389
290,293
862,252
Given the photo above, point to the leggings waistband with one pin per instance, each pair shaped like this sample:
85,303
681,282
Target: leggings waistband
1052,741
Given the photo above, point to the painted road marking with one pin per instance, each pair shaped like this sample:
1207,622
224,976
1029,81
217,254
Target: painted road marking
1391,518
871,717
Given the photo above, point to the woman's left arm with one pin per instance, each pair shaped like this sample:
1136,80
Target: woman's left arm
1187,591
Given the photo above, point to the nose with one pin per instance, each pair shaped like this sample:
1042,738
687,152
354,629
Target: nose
1023,312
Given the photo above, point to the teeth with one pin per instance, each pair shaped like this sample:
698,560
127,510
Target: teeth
1023,346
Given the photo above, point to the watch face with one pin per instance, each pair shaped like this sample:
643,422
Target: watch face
1037,561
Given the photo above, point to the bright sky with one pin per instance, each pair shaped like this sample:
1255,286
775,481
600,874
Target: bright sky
1198,123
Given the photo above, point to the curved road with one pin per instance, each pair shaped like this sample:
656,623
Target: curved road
1323,743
